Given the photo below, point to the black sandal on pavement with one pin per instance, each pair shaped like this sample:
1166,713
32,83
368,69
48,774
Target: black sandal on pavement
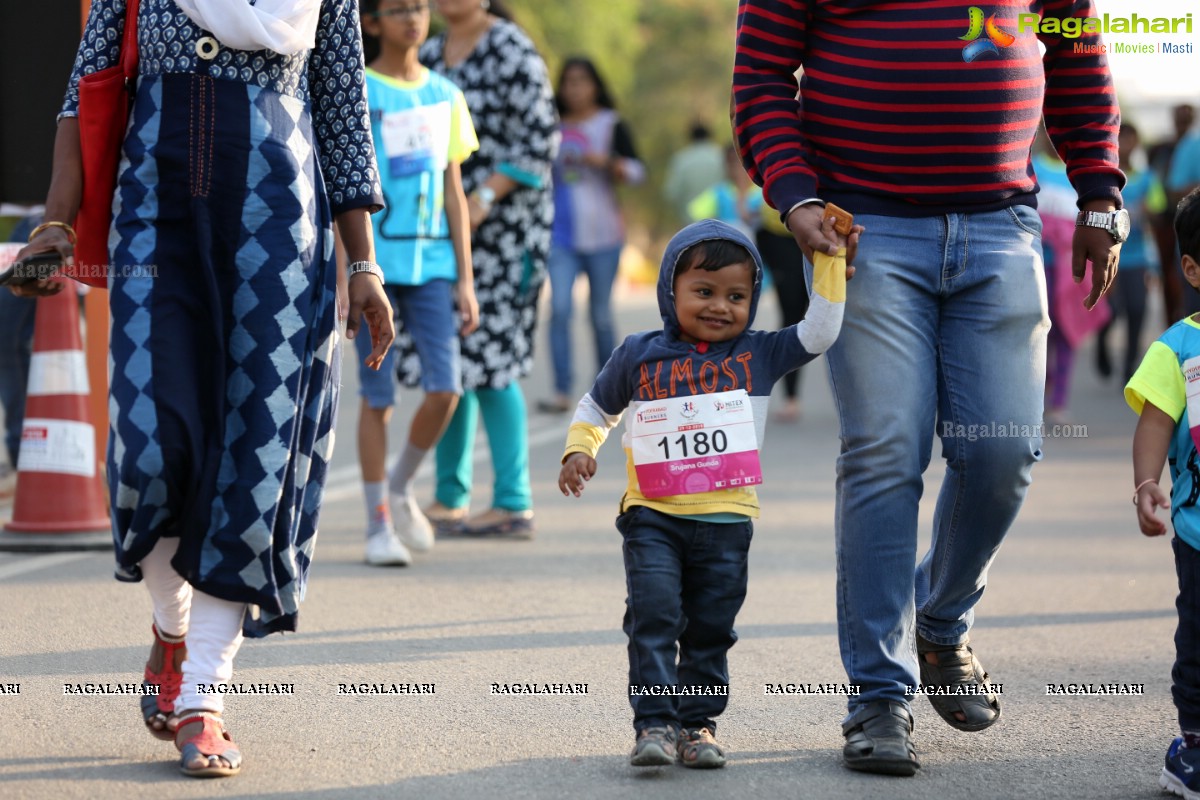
957,667
877,739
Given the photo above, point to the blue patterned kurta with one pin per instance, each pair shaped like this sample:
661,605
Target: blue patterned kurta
224,352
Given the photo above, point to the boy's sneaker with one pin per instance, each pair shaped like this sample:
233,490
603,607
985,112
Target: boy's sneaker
385,550
411,526
1181,773
699,750
655,747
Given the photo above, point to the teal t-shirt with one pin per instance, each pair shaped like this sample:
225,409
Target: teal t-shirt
419,128
1160,380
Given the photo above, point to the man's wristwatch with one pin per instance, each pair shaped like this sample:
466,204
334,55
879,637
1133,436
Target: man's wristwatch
1115,222
364,266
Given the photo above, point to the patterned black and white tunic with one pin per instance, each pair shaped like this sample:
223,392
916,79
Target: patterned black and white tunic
508,92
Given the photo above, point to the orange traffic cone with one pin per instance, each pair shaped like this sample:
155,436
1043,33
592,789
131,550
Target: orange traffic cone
59,502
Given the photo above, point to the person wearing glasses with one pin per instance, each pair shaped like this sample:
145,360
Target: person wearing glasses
423,133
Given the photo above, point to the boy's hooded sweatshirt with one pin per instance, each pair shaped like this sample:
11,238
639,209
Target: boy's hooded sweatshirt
651,366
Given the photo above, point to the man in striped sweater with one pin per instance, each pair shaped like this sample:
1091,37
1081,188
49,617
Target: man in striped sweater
918,117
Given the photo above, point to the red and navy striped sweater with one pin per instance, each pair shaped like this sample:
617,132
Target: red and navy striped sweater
918,107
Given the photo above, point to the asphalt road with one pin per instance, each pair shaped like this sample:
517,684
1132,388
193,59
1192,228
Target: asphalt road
1076,595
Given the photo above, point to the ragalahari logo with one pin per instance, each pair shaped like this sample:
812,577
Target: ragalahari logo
996,36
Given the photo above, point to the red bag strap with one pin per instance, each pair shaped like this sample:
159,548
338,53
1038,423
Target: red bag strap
129,44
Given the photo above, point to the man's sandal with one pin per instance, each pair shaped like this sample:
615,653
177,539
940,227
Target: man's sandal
212,743
878,739
956,668
157,710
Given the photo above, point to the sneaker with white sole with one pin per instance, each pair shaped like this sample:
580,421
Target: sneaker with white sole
1181,772
411,525
385,550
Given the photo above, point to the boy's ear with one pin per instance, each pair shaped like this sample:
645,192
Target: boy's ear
1191,271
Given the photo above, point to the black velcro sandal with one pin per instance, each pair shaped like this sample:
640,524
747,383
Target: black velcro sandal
958,670
877,739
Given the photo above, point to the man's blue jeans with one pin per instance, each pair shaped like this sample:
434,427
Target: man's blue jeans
564,267
686,581
944,334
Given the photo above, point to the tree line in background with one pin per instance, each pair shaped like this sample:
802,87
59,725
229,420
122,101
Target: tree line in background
667,63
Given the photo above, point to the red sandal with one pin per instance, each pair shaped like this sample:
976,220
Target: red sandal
213,742
159,709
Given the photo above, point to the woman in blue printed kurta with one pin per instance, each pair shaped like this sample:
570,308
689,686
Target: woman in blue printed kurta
224,351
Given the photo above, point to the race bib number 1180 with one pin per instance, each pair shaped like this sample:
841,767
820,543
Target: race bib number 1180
698,443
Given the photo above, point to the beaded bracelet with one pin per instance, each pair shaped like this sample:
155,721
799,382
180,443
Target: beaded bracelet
54,224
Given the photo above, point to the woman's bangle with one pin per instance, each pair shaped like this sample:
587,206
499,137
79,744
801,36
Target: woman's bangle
364,266
54,224
1138,488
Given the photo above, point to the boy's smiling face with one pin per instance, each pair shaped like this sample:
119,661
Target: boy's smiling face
714,306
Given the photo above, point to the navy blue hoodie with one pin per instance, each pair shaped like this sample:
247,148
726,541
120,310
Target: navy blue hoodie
651,366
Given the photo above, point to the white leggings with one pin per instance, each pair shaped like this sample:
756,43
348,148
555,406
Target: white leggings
213,627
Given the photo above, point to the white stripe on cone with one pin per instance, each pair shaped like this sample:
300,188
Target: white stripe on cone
54,372
58,445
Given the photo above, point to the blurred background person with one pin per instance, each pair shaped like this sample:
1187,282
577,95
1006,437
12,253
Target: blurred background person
1182,116
735,199
691,170
596,154
785,263
1070,323
1145,199
422,132
510,206
16,348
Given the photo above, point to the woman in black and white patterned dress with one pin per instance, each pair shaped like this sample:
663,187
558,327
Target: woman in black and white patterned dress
511,207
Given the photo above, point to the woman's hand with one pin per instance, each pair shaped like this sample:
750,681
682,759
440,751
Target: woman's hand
53,239
369,302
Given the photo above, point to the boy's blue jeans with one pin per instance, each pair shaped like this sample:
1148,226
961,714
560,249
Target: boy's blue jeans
1185,675
686,581
944,335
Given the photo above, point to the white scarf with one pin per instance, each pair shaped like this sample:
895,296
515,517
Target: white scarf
285,26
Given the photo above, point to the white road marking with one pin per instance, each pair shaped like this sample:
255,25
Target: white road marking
345,483
34,562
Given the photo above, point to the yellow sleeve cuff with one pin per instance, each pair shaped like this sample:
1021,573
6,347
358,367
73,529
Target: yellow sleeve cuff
829,275
584,438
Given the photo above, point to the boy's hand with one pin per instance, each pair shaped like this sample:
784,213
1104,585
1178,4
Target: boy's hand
1150,497
468,306
576,470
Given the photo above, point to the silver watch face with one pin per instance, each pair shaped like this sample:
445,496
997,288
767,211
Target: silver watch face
1120,225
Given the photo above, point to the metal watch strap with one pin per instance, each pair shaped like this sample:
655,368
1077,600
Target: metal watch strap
364,266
